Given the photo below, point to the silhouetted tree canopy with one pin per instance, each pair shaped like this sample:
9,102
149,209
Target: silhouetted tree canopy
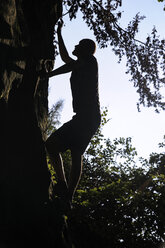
121,198
145,59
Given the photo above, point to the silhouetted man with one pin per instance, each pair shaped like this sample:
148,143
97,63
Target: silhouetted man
77,133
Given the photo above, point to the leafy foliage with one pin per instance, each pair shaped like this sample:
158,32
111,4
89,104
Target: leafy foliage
119,203
53,117
145,60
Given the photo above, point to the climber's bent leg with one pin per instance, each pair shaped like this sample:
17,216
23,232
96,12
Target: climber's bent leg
56,161
75,172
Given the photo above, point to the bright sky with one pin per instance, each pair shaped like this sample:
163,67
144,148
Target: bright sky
116,91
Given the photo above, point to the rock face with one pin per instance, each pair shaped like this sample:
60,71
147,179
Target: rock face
26,46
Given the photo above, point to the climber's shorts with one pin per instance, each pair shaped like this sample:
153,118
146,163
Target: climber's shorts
75,134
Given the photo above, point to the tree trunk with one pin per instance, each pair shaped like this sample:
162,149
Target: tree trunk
26,46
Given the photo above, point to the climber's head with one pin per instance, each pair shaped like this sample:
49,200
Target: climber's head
85,47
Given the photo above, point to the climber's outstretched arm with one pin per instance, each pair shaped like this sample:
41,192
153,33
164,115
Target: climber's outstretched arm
62,48
61,70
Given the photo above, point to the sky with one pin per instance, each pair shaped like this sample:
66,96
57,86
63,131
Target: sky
146,128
